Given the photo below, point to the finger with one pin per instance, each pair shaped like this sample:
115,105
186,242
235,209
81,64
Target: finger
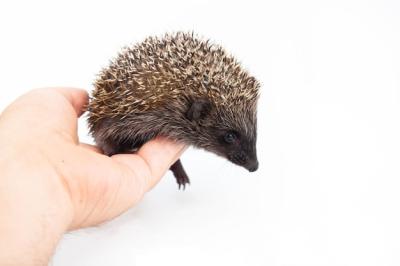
51,108
158,155
77,97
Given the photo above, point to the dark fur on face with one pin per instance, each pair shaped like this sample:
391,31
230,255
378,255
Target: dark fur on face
182,88
228,138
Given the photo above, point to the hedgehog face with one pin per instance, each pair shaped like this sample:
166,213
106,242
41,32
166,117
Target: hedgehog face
238,148
218,132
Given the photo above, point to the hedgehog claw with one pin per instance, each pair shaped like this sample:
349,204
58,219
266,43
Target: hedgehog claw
180,175
182,181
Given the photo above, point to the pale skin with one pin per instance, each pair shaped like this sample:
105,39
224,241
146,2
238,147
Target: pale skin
50,183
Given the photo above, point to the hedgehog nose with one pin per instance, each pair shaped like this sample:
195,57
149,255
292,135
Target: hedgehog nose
253,166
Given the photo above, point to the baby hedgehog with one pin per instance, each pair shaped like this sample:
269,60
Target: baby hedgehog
180,87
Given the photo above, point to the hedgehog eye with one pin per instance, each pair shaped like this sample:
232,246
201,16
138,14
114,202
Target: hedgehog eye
230,137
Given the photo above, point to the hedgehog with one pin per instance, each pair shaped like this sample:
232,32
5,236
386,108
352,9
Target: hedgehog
181,87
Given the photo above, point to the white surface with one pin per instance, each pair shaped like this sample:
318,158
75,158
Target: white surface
327,191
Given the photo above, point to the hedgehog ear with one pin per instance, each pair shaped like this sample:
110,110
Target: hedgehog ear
198,110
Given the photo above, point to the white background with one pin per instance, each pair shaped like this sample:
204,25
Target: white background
328,188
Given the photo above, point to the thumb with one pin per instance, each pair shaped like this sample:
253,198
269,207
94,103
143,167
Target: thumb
158,155
110,186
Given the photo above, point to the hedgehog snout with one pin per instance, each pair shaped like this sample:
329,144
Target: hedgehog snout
242,159
252,161
252,165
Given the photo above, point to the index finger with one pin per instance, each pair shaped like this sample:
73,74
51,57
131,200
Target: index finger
77,97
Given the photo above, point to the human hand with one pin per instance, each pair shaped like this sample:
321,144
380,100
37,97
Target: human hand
51,183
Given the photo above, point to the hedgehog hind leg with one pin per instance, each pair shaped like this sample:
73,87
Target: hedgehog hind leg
180,174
